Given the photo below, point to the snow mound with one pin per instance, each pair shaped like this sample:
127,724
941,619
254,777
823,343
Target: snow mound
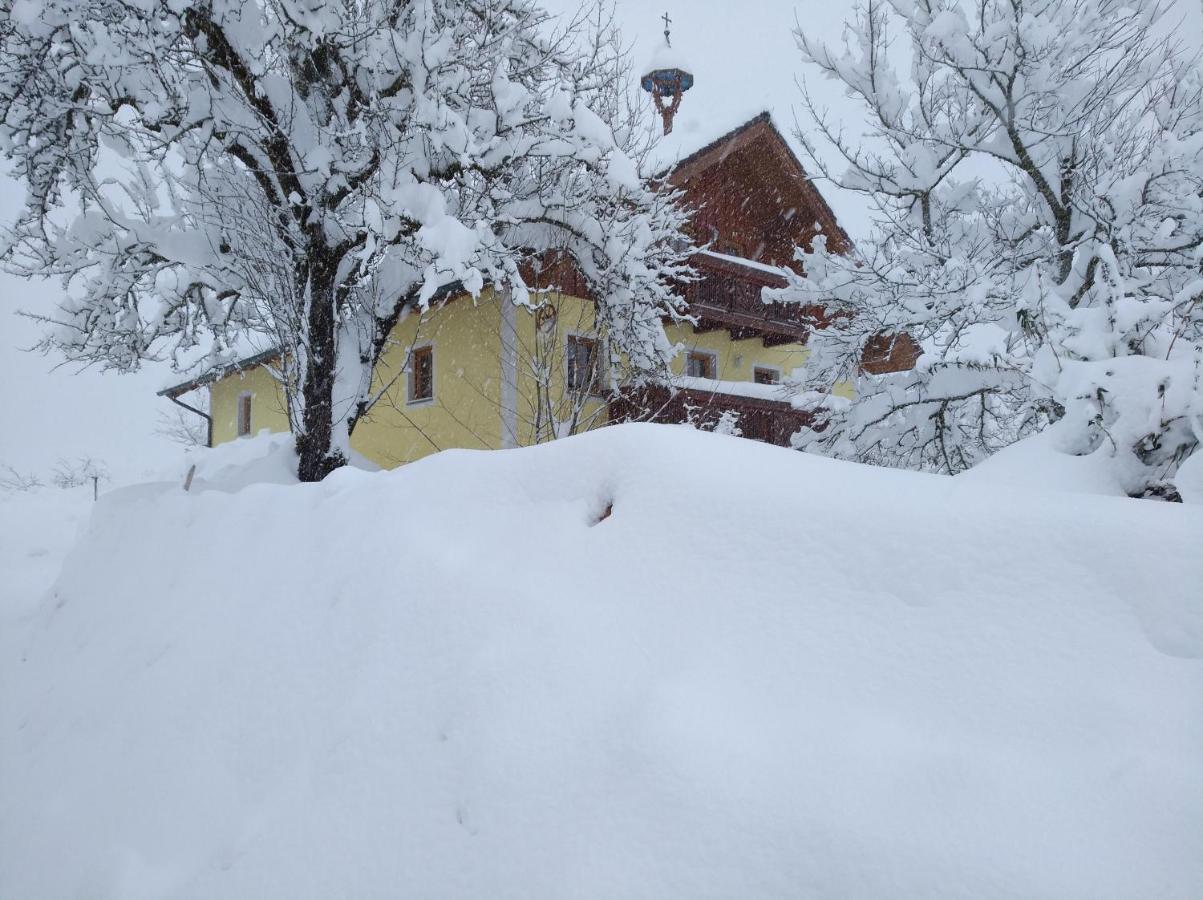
37,529
1189,479
763,674
1039,463
266,458
1043,463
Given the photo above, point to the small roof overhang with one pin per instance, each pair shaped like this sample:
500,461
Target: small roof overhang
177,390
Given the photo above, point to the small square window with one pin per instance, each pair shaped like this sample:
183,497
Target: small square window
421,374
582,359
244,415
700,365
765,375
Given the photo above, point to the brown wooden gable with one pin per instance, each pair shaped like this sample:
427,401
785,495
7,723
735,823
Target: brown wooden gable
553,270
752,197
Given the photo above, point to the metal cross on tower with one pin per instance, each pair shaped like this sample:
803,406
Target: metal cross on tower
667,22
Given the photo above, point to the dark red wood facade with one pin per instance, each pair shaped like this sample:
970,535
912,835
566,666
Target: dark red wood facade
771,421
753,199
729,296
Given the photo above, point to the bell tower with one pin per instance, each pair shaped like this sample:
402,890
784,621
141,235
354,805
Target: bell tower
667,79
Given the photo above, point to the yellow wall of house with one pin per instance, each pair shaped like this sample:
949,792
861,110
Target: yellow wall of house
471,341
545,406
463,413
268,408
466,337
735,359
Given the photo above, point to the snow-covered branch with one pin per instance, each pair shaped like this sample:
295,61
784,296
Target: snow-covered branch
1037,179
211,176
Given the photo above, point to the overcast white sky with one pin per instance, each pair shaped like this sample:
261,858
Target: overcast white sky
743,57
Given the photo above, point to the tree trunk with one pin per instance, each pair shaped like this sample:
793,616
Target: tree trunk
316,454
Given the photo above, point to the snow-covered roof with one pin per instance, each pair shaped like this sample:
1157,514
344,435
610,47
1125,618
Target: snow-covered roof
692,134
748,263
750,389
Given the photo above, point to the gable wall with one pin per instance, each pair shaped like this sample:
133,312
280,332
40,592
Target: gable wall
756,199
268,407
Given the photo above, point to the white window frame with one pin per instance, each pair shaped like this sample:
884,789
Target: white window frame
410,399
249,398
708,353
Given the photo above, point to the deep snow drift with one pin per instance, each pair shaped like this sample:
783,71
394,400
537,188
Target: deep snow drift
765,674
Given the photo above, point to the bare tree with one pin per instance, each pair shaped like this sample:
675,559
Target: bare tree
182,427
83,471
15,482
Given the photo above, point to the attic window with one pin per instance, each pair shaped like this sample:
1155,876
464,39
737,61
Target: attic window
699,364
244,414
421,374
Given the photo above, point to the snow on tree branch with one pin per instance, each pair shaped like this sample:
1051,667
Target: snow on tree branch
206,176
1036,178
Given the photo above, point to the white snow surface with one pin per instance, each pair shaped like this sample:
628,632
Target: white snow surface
1040,463
752,389
765,674
747,263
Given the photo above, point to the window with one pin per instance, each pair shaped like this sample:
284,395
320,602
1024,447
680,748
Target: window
244,415
421,374
701,365
765,375
582,364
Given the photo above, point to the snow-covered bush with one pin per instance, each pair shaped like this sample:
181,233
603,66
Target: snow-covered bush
81,472
14,481
1037,183
728,423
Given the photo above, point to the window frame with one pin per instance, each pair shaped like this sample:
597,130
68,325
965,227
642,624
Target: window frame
245,403
710,356
410,380
594,388
774,370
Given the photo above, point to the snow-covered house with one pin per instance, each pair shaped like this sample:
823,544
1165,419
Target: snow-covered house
488,374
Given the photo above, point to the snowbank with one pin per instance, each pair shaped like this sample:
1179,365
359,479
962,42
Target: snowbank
765,674
1039,463
37,528
1043,463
